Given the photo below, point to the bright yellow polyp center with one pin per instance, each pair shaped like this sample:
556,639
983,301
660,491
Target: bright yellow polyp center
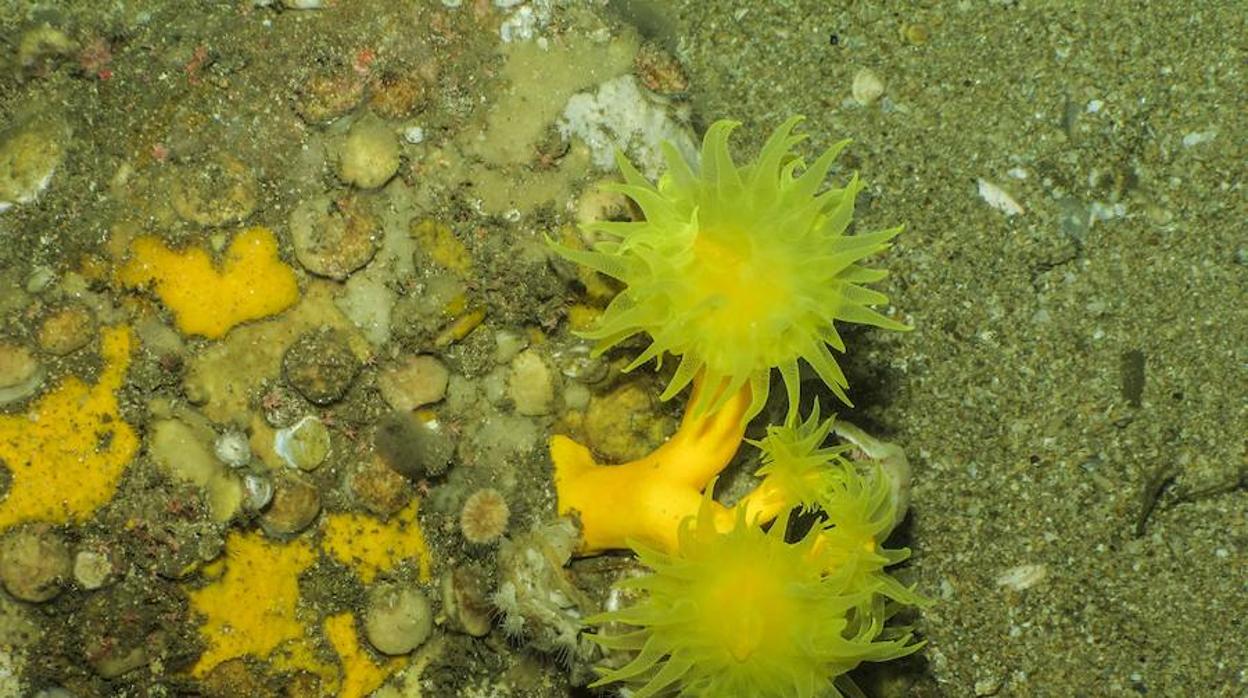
728,280
742,609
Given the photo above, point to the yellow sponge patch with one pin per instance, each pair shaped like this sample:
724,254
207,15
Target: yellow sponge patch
360,676
252,608
252,282
67,452
370,545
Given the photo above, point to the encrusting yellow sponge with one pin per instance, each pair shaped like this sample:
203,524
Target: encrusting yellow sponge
68,451
252,283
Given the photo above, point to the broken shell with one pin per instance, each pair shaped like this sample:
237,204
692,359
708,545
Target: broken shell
257,492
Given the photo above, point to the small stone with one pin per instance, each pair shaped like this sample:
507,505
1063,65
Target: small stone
622,425
916,33
380,489
219,191
398,95
321,366
598,203
93,569
867,87
659,71
398,619
329,95
235,677
34,563
579,363
370,154
417,381
124,628
29,154
416,446
21,374
367,300
281,405
66,330
507,345
465,604
334,237
483,519
296,502
304,445
531,387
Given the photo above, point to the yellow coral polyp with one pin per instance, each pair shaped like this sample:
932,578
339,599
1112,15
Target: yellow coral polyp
742,612
738,269
252,282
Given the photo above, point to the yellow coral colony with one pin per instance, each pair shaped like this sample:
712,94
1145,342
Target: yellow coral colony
737,270
67,452
252,283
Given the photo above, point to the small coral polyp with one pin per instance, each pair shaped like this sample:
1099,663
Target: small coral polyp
745,613
739,269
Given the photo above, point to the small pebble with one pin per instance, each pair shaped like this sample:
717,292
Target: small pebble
531,387
29,155
916,33
34,563
333,238
369,156
235,677
414,135
398,619
305,445
465,604
659,71
623,424
328,95
296,502
417,381
398,95
867,87
92,569
66,330
321,366
217,192
380,489
21,374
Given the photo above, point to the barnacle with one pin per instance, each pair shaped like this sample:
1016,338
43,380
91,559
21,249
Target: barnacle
738,269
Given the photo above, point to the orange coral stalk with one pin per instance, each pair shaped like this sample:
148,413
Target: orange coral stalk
644,501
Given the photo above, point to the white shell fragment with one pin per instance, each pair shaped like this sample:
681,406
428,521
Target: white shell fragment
867,87
1023,576
997,198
